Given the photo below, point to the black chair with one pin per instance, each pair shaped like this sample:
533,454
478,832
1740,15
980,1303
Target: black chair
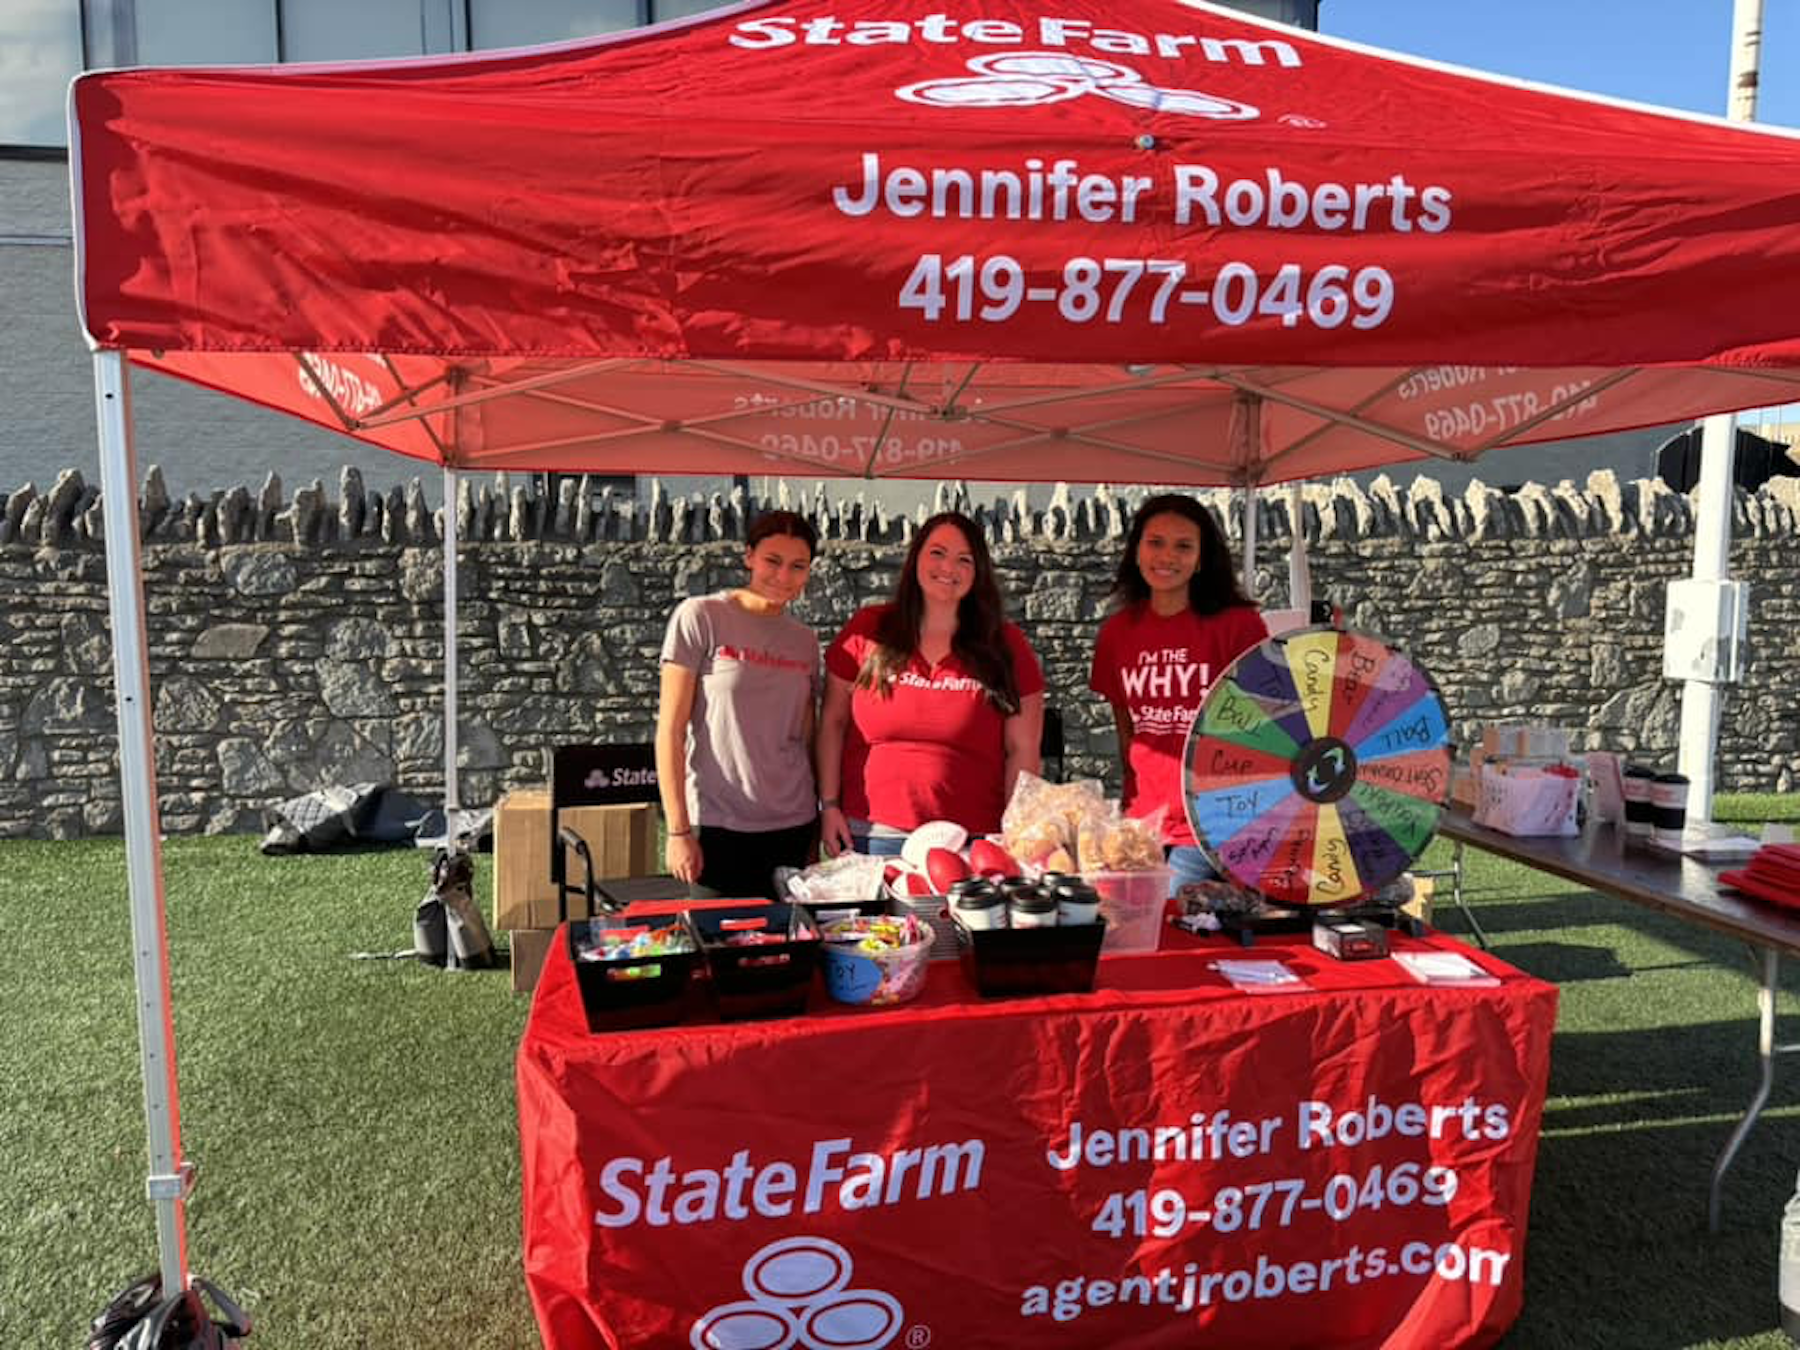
573,775
1050,747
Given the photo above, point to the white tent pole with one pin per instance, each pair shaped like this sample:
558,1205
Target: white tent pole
169,1174
1702,700
451,800
1299,574
1249,500
1248,453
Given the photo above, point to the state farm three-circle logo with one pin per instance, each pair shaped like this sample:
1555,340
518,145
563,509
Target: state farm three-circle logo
799,1301
1031,79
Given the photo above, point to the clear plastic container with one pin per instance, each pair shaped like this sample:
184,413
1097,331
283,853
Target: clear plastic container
892,975
1132,904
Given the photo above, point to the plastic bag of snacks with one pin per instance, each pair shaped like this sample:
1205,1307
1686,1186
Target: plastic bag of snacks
1043,821
876,958
849,878
1117,842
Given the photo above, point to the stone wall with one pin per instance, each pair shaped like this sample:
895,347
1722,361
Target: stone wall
297,642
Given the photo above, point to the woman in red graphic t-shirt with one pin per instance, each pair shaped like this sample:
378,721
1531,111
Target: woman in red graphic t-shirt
934,704
1179,619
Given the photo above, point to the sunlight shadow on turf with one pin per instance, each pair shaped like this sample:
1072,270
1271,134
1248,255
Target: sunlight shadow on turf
1588,909
1564,909
1618,1228
1716,1060
1565,962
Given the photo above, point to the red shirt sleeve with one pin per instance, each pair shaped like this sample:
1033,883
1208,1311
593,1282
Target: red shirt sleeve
844,657
1246,630
1103,675
1027,673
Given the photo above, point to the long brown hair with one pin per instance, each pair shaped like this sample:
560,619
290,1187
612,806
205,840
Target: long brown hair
980,638
1214,585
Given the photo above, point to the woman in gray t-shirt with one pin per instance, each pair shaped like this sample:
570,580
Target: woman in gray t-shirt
734,724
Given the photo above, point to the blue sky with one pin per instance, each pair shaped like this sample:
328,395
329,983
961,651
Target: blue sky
1671,52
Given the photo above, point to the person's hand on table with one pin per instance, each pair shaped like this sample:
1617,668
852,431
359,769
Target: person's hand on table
834,831
684,859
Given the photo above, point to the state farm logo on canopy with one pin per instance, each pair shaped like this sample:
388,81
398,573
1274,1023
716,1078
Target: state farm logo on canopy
1029,79
1059,70
799,1300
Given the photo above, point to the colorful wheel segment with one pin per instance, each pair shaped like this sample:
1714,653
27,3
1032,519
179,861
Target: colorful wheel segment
1317,767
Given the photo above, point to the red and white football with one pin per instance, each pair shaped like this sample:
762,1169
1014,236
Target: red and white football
988,859
932,834
914,885
945,869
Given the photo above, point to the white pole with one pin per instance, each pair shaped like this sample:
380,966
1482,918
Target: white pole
1702,700
1299,574
451,802
1249,454
1249,497
169,1174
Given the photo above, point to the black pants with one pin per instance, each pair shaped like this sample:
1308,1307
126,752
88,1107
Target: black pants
742,863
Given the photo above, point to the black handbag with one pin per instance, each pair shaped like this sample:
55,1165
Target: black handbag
140,1318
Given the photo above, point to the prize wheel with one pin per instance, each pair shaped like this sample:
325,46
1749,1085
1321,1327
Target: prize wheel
1317,766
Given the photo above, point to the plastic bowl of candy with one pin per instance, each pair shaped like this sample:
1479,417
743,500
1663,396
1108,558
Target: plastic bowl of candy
876,959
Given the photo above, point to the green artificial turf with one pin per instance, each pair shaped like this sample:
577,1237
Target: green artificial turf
355,1131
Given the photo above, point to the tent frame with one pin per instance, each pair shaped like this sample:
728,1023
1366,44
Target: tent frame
171,1176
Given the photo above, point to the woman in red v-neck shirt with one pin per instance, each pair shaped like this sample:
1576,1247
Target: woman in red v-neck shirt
1179,619
934,703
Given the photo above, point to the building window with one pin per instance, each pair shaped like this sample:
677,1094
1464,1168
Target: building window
506,23
347,30
661,10
40,52
203,33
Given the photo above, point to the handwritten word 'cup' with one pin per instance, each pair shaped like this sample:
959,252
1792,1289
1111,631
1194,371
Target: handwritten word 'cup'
1032,79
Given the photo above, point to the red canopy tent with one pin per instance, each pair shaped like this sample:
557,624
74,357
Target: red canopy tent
914,240
1146,240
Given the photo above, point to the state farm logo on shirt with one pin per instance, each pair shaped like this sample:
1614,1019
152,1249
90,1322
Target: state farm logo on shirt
1165,688
750,657
800,1300
954,684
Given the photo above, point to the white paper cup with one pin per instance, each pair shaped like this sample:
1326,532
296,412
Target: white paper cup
1639,809
1668,808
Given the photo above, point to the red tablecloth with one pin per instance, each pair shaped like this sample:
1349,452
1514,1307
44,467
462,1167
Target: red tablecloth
1162,1162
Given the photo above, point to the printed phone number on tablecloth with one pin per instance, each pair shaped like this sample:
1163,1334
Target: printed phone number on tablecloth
1165,1212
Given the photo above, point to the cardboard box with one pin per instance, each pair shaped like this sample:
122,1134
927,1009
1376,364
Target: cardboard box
529,948
621,838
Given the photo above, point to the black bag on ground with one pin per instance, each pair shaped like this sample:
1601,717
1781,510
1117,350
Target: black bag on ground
140,1318
448,929
318,821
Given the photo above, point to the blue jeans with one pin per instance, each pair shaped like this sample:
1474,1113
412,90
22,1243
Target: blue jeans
877,845
1187,864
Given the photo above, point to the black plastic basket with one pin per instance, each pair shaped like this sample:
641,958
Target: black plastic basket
1060,959
823,911
771,979
642,991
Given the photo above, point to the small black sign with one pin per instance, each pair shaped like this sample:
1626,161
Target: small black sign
604,774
